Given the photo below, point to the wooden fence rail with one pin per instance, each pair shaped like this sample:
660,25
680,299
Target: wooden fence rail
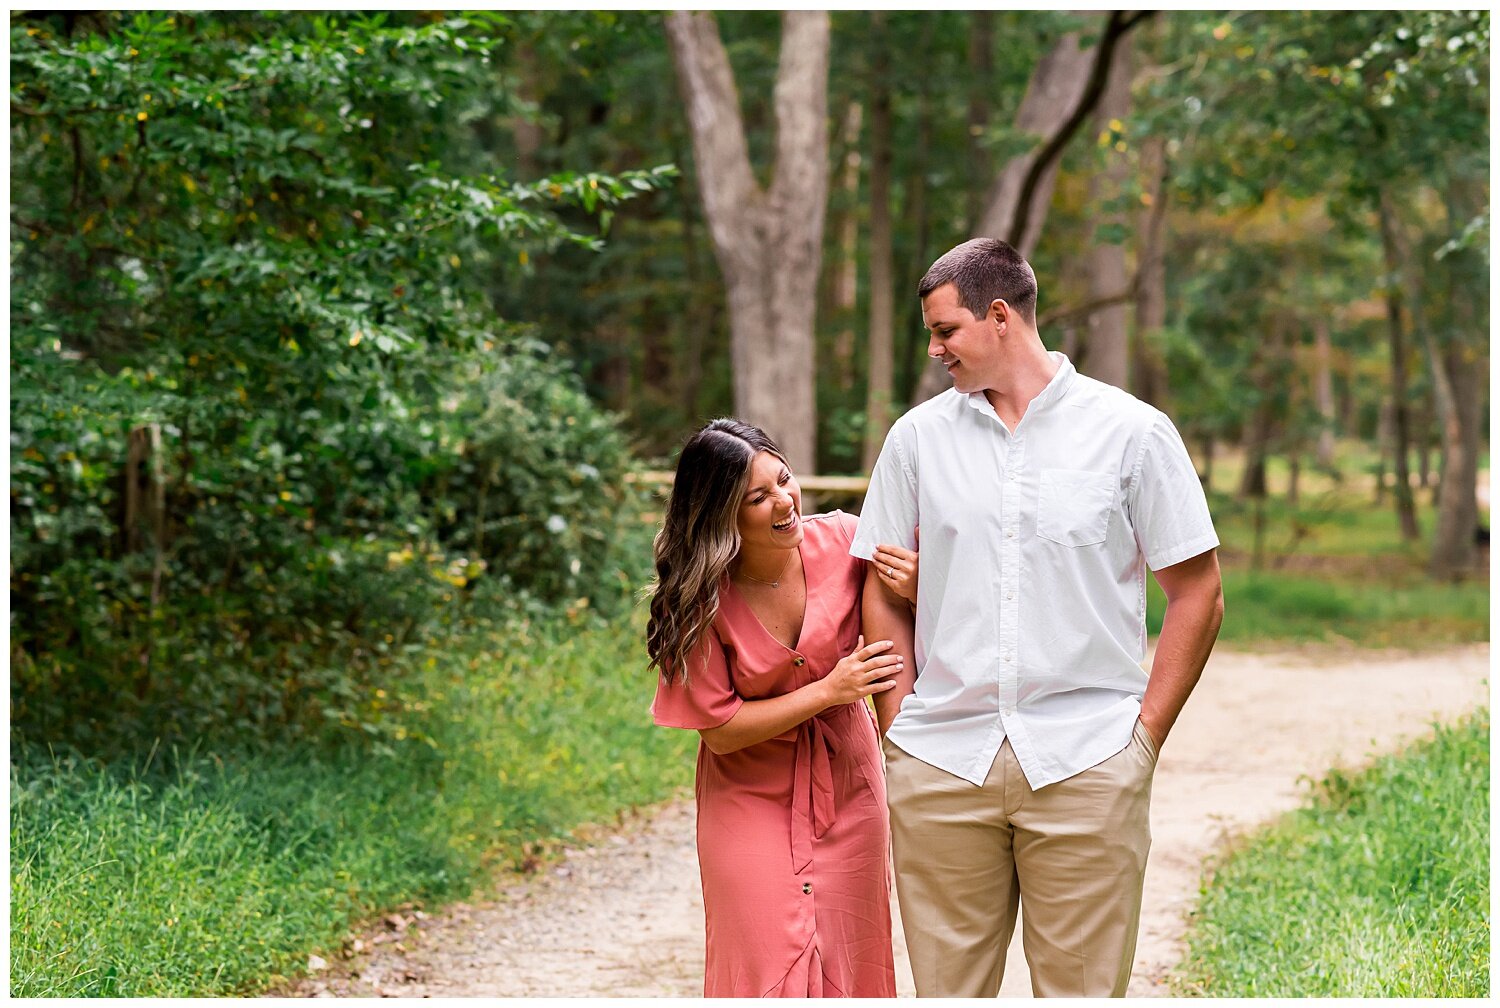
829,484
661,482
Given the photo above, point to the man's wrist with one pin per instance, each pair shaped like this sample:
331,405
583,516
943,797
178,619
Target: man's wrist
1156,735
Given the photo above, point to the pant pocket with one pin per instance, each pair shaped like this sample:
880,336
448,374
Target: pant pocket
1143,739
891,750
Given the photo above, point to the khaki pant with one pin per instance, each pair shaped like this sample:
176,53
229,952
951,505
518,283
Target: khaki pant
1073,852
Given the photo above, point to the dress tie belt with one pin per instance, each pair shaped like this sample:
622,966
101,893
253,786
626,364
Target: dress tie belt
812,789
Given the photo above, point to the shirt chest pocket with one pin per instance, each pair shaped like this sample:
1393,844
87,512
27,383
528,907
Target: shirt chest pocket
1073,506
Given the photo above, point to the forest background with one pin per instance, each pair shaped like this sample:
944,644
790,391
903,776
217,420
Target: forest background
340,344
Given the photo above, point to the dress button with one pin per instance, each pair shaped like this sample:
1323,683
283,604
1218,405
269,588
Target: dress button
799,661
806,888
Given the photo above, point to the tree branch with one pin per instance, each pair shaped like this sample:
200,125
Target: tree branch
1119,23
1091,306
720,153
52,232
77,142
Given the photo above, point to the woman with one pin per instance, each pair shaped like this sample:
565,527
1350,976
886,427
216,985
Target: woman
755,628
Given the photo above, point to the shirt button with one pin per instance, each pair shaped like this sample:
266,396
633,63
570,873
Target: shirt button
799,661
806,888
1010,535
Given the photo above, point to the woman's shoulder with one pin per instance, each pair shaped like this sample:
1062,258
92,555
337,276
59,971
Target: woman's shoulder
837,525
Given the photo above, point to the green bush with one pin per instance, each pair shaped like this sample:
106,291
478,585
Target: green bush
279,605
535,488
1378,888
254,243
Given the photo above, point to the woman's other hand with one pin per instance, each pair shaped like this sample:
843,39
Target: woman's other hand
861,673
898,570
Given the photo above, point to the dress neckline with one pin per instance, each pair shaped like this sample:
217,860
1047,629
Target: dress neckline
802,628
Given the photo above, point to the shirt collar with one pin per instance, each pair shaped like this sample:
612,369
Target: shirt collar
1054,391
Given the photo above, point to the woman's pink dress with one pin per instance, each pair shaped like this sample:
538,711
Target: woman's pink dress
792,832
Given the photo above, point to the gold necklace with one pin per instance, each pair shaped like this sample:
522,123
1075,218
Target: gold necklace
773,584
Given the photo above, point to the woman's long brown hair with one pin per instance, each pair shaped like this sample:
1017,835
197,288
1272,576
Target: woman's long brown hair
699,539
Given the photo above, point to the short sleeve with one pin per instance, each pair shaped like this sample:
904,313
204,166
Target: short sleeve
846,524
707,699
1167,505
889,514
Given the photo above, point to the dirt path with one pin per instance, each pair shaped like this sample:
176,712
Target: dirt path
624,917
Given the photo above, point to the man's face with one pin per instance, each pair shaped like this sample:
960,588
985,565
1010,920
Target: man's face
967,346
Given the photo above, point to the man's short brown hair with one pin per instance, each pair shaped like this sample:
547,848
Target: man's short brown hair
983,270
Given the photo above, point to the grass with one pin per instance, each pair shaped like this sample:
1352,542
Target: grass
1378,887
1272,610
1333,570
202,874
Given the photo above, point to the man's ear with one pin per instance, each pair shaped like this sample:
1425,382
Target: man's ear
1000,313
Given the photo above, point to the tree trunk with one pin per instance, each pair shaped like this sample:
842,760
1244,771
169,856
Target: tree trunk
1383,459
1458,392
1291,439
1053,92
699,313
1422,426
1148,369
1454,549
844,295
914,362
1107,335
1264,365
981,88
1034,190
1323,390
768,242
528,132
878,396
1350,408
1257,447
146,516
1406,509
1064,89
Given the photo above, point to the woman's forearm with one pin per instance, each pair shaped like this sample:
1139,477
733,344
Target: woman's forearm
758,720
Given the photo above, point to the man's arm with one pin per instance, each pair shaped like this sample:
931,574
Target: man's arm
886,616
1195,609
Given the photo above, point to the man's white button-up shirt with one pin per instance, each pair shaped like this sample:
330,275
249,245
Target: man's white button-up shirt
1031,591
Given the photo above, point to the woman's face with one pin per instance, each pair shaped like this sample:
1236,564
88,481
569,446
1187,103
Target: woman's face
771,511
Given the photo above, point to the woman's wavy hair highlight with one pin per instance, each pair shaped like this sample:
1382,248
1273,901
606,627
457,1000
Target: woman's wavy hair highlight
699,538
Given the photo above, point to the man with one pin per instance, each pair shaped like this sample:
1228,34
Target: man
1020,744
